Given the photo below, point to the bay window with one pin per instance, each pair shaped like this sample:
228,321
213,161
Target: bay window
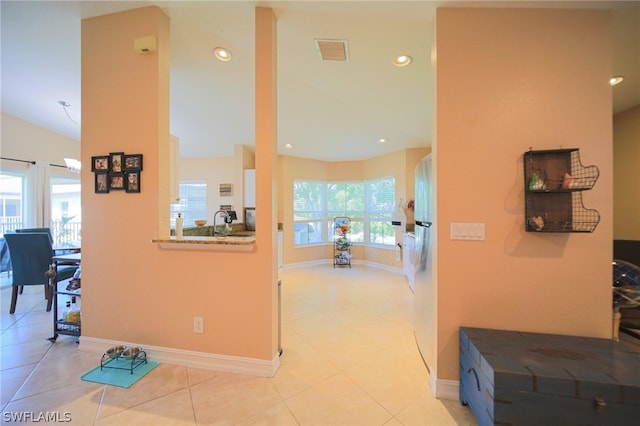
370,205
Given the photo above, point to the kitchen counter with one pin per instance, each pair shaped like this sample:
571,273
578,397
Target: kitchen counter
231,243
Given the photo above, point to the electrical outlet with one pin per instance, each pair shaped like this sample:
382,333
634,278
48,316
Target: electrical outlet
198,325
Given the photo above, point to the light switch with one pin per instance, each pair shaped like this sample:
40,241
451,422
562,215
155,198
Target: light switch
467,231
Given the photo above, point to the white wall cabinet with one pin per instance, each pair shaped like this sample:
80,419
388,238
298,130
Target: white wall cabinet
250,187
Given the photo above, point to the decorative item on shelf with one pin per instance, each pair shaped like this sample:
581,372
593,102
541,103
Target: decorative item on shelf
536,223
117,171
342,243
536,183
200,222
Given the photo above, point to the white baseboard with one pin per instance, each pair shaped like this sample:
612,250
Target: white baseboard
445,389
207,361
353,262
306,264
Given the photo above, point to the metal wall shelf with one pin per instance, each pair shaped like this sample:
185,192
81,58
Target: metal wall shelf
553,184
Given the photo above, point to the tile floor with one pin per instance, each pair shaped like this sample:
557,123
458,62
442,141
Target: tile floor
349,359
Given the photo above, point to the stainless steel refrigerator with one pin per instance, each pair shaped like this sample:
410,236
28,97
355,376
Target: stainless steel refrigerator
424,291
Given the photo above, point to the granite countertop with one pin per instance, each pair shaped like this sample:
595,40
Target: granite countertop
230,243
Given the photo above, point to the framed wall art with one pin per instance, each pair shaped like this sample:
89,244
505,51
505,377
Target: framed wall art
102,183
132,181
226,190
132,162
117,171
115,160
116,181
100,164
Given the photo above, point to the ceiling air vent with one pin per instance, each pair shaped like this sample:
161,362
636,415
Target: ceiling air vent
333,50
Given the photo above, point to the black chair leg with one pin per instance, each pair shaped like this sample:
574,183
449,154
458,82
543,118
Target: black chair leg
48,294
14,299
21,289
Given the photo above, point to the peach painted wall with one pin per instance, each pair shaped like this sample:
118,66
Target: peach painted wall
266,157
626,156
508,80
133,291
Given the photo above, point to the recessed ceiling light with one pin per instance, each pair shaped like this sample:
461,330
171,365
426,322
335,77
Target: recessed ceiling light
402,61
288,146
615,80
382,140
222,54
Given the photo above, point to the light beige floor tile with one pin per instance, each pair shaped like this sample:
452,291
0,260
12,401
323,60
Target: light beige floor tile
20,354
23,333
198,375
393,380
426,410
11,380
61,367
171,409
301,366
346,348
384,332
278,415
163,380
313,328
337,401
79,402
296,308
231,398
31,298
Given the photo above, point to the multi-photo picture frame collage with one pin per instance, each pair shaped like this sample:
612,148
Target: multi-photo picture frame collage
117,172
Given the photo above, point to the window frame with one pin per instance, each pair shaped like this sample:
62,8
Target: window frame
362,218
189,213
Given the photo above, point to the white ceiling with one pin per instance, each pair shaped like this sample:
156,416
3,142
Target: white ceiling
333,111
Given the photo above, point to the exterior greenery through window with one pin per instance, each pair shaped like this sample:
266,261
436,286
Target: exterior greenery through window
369,204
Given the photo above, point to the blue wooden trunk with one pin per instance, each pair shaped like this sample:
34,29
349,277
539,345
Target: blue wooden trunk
517,378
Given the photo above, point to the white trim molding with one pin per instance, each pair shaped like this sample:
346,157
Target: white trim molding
353,262
445,389
207,361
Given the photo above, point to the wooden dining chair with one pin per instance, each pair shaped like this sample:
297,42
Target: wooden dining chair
31,258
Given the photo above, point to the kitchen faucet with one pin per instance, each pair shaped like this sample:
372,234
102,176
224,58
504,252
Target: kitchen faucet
225,215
